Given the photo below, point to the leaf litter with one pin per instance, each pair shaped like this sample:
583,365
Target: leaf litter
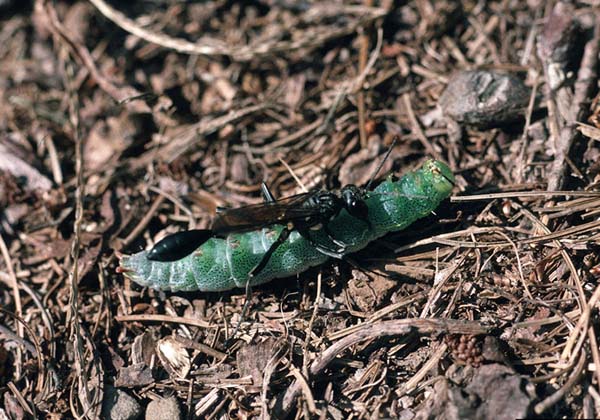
122,123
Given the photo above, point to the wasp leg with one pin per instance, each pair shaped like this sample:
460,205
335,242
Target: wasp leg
267,194
285,233
329,234
243,314
330,252
333,253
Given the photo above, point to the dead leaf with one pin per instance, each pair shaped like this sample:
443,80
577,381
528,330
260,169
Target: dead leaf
16,162
174,357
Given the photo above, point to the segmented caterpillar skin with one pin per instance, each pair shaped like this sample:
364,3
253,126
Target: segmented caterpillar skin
224,264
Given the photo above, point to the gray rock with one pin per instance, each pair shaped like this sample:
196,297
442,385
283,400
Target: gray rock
494,392
163,409
119,405
484,98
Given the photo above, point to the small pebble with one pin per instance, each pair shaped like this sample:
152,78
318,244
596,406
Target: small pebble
119,405
484,98
163,409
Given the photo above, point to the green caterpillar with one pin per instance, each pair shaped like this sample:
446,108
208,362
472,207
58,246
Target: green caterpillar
224,264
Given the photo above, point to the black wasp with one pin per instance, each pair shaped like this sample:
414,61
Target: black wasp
304,213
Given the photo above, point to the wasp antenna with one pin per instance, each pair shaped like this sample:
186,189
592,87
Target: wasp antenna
387,155
449,180
443,175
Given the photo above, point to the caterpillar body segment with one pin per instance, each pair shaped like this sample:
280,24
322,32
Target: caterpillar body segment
224,264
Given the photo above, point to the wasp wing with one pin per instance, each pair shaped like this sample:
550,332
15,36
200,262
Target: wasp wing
257,216
241,219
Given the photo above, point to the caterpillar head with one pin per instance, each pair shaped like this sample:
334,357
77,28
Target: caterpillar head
442,178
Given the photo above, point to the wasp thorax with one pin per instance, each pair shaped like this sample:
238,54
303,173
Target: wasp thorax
354,202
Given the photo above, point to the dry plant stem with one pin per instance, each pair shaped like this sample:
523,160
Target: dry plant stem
408,300
485,32
565,233
313,316
306,391
359,81
22,402
240,53
596,396
293,174
51,343
188,400
565,255
533,194
93,366
164,318
595,353
588,401
141,226
436,291
547,321
103,300
119,94
542,406
178,203
373,331
582,326
519,265
566,135
206,402
287,141
73,312
367,380
362,130
524,143
182,140
166,41
18,306
203,348
352,86
431,363
530,44
279,348
376,316
362,62
38,350
54,160
456,293
416,128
